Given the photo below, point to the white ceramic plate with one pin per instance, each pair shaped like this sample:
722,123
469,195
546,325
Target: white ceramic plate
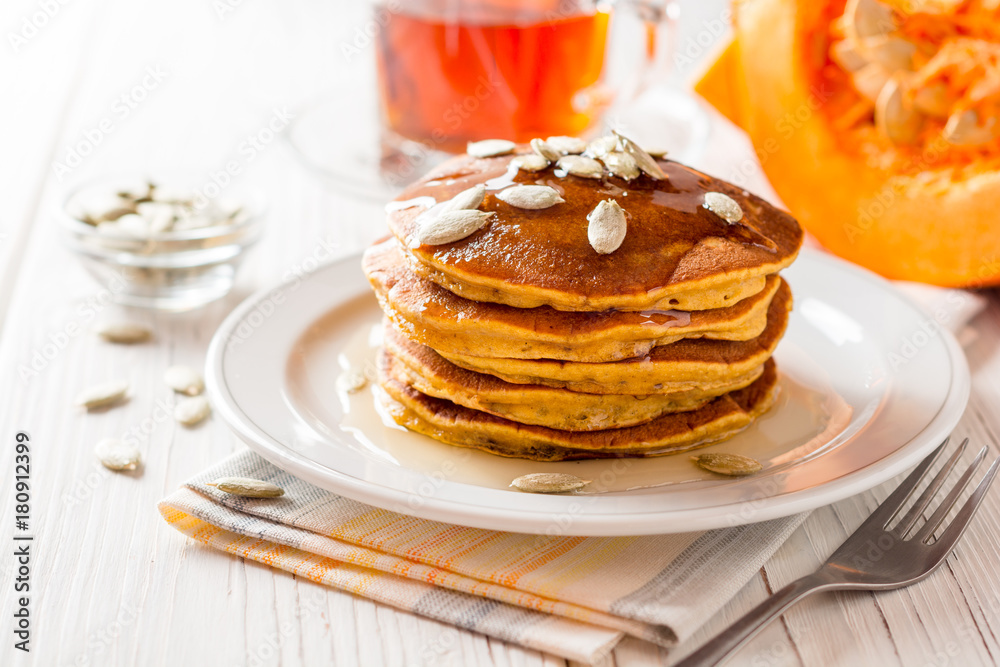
868,387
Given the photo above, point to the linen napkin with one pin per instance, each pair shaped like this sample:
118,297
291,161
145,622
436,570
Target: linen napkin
575,597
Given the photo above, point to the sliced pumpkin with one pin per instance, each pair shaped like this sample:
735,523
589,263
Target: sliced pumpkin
882,126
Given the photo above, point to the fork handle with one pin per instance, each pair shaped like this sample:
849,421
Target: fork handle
730,639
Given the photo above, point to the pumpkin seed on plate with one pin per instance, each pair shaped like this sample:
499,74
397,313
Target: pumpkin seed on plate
548,482
734,465
352,380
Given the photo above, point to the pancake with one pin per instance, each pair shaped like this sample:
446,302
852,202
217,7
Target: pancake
676,253
432,315
429,373
456,425
705,365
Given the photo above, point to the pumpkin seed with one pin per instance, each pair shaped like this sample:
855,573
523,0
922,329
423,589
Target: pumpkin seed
490,147
847,56
870,80
184,380
964,129
867,18
125,333
465,200
530,162
734,465
567,145
602,146
133,225
548,482
723,206
191,411
643,160
578,165
352,381
530,196
607,227
247,487
160,215
545,150
621,164
893,53
451,226
934,100
102,395
896,119
116,455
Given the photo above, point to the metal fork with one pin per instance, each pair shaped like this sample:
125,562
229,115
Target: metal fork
874,557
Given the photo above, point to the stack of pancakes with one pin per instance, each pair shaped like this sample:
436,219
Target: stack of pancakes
522,340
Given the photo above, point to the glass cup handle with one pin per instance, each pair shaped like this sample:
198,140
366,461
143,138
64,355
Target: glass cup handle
659,26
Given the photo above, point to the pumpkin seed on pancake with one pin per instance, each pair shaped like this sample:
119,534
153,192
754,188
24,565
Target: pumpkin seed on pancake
682,366
444,321
676,253
668,434
429,373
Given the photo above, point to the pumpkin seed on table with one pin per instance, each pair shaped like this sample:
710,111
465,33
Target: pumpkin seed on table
451,226
490,147
578,165
117,455
102,395
247,487
734,465
191,411
607,227
125,333
184,380
530,162
548,482
723,206
532,197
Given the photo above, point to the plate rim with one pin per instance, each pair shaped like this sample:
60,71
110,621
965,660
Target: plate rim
773,506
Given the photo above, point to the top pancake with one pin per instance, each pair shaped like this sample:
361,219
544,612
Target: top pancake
676,253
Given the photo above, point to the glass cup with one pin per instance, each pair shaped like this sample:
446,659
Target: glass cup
453,71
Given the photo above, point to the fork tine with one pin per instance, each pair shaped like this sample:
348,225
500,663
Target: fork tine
949,501
953,532
885,512
904,525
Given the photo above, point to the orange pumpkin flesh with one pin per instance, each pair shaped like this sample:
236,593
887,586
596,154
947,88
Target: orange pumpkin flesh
911,199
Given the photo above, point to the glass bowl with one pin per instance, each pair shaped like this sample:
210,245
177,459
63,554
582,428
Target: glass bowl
174,270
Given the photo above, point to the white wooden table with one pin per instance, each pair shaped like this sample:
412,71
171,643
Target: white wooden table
111,583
